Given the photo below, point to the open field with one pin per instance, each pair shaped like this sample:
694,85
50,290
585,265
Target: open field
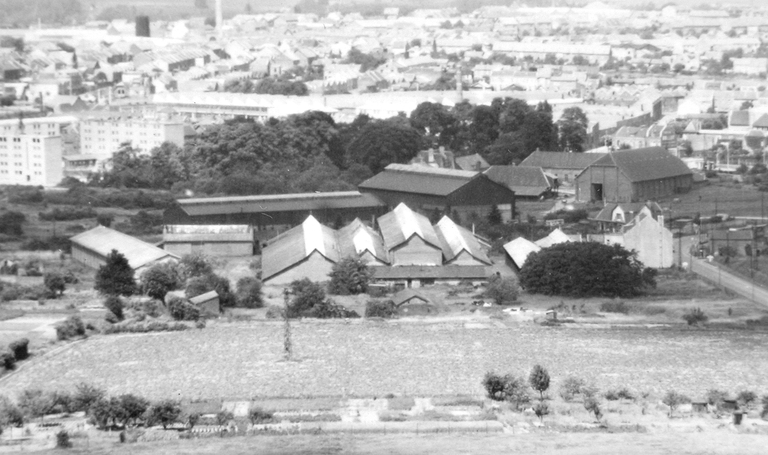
412,358
721,442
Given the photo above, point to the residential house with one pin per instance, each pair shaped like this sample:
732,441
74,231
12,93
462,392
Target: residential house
474,162
613,216
633,175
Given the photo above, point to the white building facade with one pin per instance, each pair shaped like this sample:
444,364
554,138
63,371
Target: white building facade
27,159
101,137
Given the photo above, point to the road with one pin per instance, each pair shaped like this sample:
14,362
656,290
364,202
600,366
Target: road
719,275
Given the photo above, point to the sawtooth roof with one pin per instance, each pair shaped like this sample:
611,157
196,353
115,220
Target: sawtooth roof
402,223
407,178
523,180
640,165
561,160
454,239
102,240
356,238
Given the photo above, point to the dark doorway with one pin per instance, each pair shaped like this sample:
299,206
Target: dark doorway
597,191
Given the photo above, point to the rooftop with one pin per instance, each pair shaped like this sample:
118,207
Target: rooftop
102,240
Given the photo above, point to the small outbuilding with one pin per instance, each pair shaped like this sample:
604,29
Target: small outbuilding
208,303
518,251
412,303
93,246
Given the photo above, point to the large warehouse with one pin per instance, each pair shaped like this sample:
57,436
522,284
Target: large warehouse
92,248
272,214
468,194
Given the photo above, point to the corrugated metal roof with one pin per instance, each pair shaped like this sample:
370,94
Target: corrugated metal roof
519,249
419,179
278,203
295,245
455,239
645,164
523,180
402,223
561,160
448,272
102,240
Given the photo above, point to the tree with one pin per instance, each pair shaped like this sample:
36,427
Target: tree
19,349
36,402
695,316
54,282
380,309
572,129
85,396
10,414
159,279
195,265
436,121
571,387
593,406
502,289
306,295
585,269
494,216
132,407
511,113
383,142
505,388
165,413
181,310
541,409
674,400
62,440
248,293
105,219
115,306
349,276
539,380
259,415
116,276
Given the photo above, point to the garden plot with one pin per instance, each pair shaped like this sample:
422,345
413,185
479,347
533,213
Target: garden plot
238,361
37,328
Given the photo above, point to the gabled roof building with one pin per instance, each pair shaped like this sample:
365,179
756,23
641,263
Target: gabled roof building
563,165
526,181
633,175
92,248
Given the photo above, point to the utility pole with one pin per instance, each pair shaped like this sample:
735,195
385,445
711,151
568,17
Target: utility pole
287,343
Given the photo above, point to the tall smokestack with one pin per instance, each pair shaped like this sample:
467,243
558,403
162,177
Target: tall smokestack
219,18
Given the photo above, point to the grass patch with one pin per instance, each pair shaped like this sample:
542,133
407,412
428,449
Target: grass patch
615,307
401,403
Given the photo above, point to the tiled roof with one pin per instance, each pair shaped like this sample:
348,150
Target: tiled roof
523,180
102,240
418,179
640,165
561,160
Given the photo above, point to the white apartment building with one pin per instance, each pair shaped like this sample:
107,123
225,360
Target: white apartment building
36,126
100,137
30,159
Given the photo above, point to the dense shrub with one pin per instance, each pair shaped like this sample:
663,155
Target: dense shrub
568,216
223,417
7,361
746,398
694,316
541,409
62,440
328,309
165,413
259,415
20,349
10,414
614,307
18,292
70,328
53,243
67,214
625,394
306,294
10,223
145,328
583,269
195,265
571,387
86,395
715,397
211,282
181,310
593,406
502,290
506,388
248,293
115,306
24,195
115,277
380,309
105,219
159,279
349,276
55,282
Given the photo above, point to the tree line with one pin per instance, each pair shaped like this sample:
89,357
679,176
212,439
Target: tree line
311,152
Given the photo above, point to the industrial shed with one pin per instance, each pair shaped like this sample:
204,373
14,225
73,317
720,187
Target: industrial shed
468,194
216,240
633,175
272,214
306,251
518,251
92,248
360,241
409,238
565,166
460,247
526,182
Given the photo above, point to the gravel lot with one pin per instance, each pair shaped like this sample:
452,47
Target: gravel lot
367,358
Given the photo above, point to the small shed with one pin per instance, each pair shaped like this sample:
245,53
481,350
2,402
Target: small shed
208,303
518,250
412,303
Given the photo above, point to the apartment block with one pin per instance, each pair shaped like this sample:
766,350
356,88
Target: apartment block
28,159
101,137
